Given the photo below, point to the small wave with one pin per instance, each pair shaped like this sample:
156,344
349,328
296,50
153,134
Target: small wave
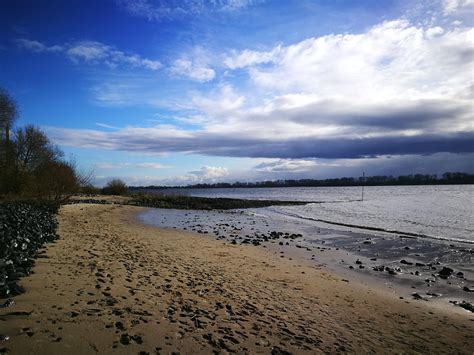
375,229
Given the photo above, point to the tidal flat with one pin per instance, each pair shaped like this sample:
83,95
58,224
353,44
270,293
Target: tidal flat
112,284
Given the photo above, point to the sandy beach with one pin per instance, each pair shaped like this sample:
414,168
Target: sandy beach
111,284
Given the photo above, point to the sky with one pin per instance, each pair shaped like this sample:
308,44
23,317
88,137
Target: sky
175,92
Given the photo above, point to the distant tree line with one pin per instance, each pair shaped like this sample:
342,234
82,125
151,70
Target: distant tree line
379,180
31,166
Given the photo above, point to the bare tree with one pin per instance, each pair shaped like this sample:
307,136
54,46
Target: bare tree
8,115
32,148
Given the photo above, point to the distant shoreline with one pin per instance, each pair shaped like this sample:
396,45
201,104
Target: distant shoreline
408,180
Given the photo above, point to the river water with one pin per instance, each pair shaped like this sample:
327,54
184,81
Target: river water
441,212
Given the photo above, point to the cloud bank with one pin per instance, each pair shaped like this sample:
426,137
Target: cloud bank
397,89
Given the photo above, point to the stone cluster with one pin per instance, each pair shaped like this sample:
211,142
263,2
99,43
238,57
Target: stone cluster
25,226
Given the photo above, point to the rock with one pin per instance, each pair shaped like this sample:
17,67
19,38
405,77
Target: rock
468,289
358,262
467,306
460,274
391,271
417,296
15,289
9,302
278,351
24,228
445,272
419,264
403,261
137,339
124,339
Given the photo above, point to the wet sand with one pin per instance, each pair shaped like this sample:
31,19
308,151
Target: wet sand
437,271
111,284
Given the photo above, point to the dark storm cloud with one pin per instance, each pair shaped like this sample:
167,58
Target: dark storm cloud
295,148
402,115
341,148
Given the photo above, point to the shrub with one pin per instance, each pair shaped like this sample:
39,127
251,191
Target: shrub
115,187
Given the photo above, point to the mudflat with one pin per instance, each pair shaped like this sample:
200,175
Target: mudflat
111,284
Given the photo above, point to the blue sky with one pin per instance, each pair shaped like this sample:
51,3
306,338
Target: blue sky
178,92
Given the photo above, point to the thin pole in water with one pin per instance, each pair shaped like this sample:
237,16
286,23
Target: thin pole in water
363,180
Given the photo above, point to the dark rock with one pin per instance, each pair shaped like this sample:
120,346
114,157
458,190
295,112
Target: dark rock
124,339
403,261
278,351
8,303
137,339
25,226
467,306
417,296
445,272
390,271
468,289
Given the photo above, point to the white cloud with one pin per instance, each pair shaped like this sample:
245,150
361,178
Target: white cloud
232,5
248,58
451,6
193,70
158,10
88,51
223,99
392,60
92,52
104,125
36,46
287,165
207,174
